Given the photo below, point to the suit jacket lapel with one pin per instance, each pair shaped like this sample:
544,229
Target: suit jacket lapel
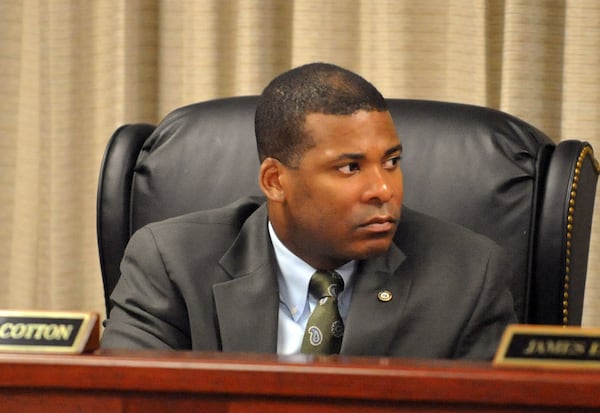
248,304
372,322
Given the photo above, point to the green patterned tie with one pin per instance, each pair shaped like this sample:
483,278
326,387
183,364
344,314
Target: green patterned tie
325,327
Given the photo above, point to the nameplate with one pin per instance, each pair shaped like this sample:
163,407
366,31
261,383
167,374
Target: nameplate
552,346
48,331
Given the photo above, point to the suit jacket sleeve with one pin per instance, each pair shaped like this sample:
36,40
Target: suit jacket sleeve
148,311
493,311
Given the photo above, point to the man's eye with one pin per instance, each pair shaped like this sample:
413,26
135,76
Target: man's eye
349,169
392,162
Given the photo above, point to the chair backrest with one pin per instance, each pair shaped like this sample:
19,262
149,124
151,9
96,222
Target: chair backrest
475,166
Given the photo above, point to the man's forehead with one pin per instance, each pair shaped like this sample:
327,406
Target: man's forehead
379,122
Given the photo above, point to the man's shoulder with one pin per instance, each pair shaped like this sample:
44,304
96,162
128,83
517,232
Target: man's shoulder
417,229
219,225
215,229
235,213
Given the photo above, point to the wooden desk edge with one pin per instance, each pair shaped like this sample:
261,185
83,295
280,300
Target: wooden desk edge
374,379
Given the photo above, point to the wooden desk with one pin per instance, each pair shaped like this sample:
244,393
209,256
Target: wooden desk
201,382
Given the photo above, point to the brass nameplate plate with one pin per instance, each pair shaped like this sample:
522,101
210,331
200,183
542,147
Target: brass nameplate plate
552,346
48,331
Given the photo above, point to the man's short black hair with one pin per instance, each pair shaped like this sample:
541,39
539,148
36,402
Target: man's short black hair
312,88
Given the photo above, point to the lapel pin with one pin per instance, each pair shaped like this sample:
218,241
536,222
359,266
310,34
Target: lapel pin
384,296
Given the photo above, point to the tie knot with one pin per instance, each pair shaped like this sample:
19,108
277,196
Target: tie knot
326,284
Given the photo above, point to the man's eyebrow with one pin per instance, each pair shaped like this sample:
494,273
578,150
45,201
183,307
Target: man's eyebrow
397,148
359,156
353,156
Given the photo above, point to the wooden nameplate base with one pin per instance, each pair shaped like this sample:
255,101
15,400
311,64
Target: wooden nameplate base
49,331
552,346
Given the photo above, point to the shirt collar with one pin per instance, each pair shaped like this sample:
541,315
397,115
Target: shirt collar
294,276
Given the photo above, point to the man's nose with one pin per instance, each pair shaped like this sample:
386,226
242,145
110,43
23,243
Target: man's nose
379,186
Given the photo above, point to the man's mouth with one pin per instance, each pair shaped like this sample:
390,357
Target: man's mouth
380,224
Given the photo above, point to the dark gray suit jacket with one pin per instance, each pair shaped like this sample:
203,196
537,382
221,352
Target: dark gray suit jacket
207,281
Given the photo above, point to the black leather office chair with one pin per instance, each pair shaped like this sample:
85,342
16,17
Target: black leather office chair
481,168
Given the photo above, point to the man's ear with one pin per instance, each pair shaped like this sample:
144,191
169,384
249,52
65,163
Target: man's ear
269,179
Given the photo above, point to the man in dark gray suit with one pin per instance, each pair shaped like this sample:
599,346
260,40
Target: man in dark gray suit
237,278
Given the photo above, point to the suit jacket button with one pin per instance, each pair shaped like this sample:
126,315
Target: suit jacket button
384,296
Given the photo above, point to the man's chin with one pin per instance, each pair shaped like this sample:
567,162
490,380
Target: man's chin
374,249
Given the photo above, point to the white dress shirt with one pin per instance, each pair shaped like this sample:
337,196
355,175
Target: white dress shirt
295,303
